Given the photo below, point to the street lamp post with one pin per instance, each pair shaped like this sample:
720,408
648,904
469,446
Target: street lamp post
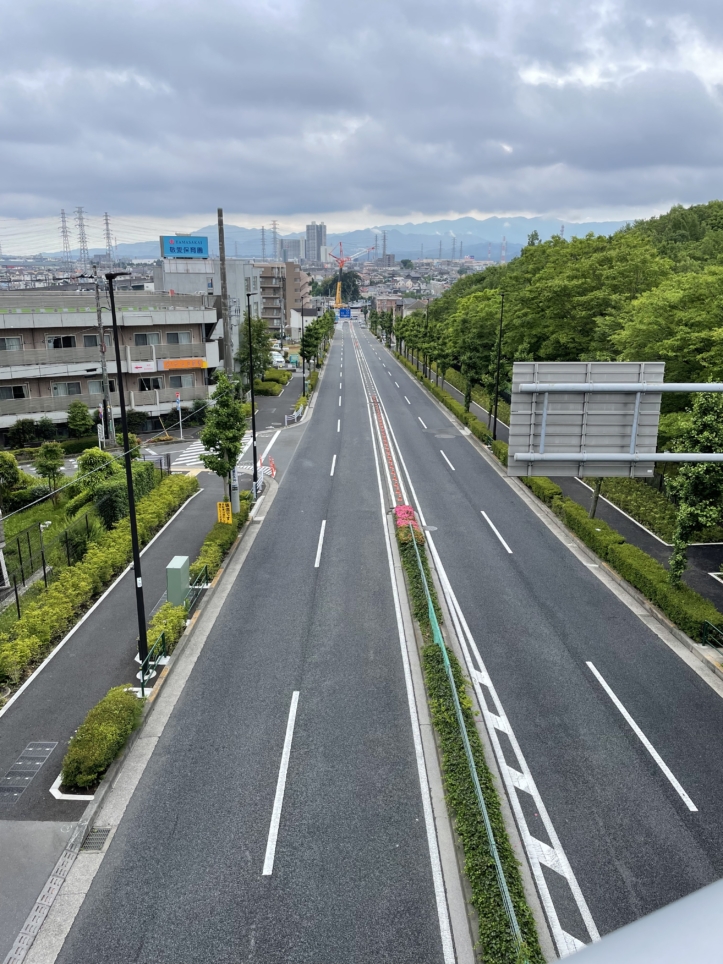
497,371
303,353
140,605
426,333
253,403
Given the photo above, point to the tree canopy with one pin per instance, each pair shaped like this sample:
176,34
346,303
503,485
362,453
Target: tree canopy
350,290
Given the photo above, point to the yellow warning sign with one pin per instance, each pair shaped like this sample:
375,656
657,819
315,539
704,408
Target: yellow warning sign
224,512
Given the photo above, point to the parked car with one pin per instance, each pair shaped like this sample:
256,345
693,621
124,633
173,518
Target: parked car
277,360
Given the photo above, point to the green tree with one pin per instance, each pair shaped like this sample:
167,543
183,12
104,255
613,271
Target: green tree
101,464
80,421
472,336
223,433
49,464
45,429
23,433
698,486
9,474
260,345
350,290
406,263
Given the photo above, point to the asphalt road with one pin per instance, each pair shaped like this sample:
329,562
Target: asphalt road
539,616
351,879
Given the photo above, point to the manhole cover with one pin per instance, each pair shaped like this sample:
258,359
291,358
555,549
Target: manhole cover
96,838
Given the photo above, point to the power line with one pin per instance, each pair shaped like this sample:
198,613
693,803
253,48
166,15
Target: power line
108,241
84,256
66,239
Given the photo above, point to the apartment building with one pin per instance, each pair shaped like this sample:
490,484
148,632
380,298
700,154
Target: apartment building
315,241
50,351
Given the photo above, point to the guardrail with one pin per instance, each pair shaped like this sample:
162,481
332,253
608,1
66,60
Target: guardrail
712,636
295,417
501,880
156,653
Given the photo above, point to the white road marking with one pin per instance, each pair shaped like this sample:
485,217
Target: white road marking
423,425
496,531
645,741
150,452
321,543
407,400
390,374
397,384
340,401
339,386
333,463
268,447
280,787
447,461
338,425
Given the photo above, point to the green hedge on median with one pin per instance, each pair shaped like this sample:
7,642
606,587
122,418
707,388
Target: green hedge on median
219,540
281,375
267,388
100,738
111,497
170,620
499,450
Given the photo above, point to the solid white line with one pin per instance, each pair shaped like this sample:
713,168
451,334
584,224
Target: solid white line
645,741
447,461
92,609
280,787
321,543
333,463
407,400
423,425
340,400
338,425
496,531
268,447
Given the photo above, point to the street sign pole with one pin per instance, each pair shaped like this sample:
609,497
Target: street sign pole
180,420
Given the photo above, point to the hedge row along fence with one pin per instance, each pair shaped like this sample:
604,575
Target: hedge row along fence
682,605
45,622
456,379
477,428
498,945
109,724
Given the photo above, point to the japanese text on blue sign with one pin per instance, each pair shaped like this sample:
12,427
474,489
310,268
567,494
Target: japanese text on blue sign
183,247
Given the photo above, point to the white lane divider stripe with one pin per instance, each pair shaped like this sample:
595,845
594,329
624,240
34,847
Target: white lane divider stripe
280,787
447,461
333,464
397,384
407,400
644,740
423,425
496,531
338,425
340,401
321,543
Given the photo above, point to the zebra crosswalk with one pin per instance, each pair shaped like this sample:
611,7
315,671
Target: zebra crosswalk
192,455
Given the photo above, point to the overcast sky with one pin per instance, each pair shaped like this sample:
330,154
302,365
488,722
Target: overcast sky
359,113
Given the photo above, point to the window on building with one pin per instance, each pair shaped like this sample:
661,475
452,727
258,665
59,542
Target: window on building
178,338
254,282
247,284
150,384
11,344
90,341
60,341
181,381
66,388
9,392
95,385
144,338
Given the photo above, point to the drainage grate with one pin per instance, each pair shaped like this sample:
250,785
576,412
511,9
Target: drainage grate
96,838
20,774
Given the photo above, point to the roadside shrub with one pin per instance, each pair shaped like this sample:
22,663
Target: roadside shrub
111,496
267,388
311,381
15,654
170,620
100,738
594,532
219,540
19,498
479,429
74,445
281,375
648,506
301,402
22,433
545,489
499,450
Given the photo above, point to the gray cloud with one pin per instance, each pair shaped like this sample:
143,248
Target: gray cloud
165,108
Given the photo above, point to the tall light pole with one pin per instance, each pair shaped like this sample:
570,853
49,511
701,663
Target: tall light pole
253,403
303,355
108,423
499,359
140,605
426,332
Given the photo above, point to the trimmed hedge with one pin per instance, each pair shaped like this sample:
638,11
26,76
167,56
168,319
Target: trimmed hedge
71,446
19,498
111,498
219,540
281,375
681,604
46,621
311,381
301,402
499,450
77,502
100,738
170,620
267,388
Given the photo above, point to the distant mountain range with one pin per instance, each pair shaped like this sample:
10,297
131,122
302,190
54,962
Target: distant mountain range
481,238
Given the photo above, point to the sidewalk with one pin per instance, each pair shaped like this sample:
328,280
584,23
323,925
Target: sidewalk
34,828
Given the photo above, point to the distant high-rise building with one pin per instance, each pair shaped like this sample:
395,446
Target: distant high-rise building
293,249
315,240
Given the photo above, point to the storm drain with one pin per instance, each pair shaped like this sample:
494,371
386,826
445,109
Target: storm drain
96,838
21,773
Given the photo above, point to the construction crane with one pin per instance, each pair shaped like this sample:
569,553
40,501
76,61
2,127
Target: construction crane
342,259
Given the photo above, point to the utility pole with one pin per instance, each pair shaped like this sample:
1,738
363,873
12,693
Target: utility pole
108,241
499,360
384,246
108,423
426,332
140,605
303,356
84,256
253,403
227,346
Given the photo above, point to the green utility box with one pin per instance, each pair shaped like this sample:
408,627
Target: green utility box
177,581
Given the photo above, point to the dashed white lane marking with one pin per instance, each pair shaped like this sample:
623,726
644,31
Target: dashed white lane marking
338,425
447,461
397,384
321,543
496,531
280,787
340,401
407,400
333,464
644,740
423,425
339,386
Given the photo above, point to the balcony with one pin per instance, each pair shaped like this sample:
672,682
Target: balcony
76,356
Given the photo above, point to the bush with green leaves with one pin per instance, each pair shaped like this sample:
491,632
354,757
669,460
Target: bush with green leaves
20,498
219,540
100,738
281,375
644,503
545,489
311,381
267,388
22,433
499,450
80,421
96,466
9,475
170,621
110,497
49,463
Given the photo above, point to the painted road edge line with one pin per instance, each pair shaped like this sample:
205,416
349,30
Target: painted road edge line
644,740
268,447
496,531
447,460
280,787
321,543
